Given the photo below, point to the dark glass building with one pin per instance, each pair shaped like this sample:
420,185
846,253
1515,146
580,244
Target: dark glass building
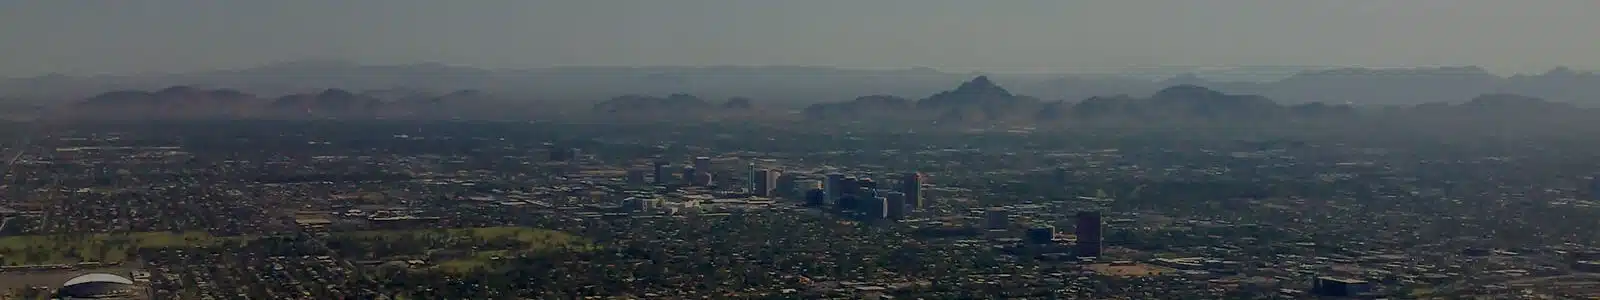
1089,234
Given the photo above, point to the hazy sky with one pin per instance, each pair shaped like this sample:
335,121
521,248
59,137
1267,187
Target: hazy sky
91,36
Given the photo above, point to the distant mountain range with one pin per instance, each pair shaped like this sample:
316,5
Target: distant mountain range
184,102
675,105
977,101
798,86
981,100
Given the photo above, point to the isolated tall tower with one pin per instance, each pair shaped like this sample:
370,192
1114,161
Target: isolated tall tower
765,183
911,185
1089,234
752,180
702,164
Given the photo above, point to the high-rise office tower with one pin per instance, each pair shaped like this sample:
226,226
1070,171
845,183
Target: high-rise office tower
751,178
877,208
757,186
766,183
897,205
833,187
688,175
911,184
996,218
702,164
660,172
575,154
786,186
1089,234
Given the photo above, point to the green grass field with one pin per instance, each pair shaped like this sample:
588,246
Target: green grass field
480,259
531,239
99,247
517,241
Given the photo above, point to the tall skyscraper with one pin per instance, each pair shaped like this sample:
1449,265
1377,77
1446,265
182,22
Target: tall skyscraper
996,218
757,186
702,164
877,208
751,179
832,188
897,205
851,185
689,174
660,172
765,183
786,186
911,184
1089,234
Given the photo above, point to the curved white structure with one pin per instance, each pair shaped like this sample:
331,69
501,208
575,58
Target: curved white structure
96,286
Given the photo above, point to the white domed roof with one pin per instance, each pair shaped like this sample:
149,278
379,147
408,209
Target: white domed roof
96,286
98,277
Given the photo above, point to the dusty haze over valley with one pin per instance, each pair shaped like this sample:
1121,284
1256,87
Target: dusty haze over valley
784,56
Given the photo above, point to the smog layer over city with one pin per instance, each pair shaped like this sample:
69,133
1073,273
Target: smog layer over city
818,149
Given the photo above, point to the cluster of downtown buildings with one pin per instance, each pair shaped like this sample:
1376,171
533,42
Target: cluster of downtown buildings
860,197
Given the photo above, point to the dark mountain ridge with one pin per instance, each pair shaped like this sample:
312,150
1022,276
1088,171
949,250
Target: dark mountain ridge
975,102
184,102
980,100
804,85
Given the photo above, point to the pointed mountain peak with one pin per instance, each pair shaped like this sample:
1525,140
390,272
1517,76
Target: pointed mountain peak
979,83
981,79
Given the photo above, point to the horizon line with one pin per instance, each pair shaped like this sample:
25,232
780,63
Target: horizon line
1124,70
